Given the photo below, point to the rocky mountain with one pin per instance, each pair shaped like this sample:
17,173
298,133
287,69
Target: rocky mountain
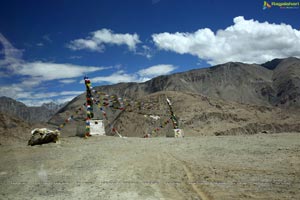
286,84
227,99
53,106
275,83
247,98
28,114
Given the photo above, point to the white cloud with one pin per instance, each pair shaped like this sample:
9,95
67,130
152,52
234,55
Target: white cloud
65,99
156,70
85,44
32,98
97,40
140,76
53,71
39,102
14,91
27,87
42,95
67,81
31,82
247,41
71,93
34,102
117,77
44,71
11,54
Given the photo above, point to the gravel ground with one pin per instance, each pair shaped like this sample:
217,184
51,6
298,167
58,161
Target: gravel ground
262,166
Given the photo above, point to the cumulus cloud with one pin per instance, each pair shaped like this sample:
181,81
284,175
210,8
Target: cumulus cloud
140,76
14,64
32,74
53,71
156,70
97,40
248,41
117,77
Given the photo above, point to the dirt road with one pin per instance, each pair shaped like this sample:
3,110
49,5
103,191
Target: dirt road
231,167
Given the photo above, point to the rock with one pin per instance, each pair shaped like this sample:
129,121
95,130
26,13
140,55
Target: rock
43,136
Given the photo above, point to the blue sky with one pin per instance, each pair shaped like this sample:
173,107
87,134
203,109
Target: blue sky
46,47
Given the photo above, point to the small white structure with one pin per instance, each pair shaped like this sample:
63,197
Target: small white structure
177,133
97,127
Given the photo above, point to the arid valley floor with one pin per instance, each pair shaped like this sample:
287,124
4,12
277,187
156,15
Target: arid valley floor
260,166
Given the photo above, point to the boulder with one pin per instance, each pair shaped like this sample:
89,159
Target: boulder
43,136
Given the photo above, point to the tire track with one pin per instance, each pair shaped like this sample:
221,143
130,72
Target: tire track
165,166
197,189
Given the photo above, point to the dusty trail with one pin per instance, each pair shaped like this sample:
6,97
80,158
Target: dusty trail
195,186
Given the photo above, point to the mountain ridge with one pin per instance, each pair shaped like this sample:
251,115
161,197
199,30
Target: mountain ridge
233,81
30,114
246,89
250,88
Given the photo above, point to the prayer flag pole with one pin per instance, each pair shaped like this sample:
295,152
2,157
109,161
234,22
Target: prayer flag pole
89,106
177,131
173,117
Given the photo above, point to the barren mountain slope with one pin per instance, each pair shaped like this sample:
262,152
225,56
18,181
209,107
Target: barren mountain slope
286,83
198,115
201,115
13,130
250,98
27,113
238,82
